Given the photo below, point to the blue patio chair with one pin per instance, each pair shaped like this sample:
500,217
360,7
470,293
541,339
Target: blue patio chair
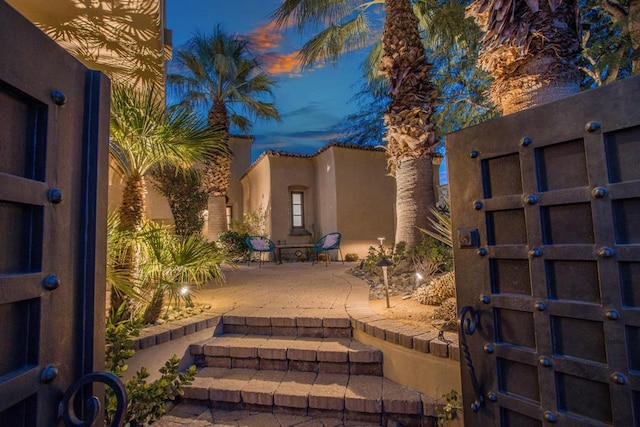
261,245
328,242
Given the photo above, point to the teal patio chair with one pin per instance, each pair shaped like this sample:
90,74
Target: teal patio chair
328,242
261,245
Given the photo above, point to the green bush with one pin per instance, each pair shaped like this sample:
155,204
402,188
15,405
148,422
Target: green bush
146,401
435,252
396,254
234,242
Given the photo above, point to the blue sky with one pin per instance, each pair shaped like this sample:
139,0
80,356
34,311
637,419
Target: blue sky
311,102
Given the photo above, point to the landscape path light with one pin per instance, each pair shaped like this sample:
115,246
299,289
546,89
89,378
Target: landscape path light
384,263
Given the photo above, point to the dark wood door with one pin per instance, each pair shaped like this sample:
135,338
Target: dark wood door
546,218
53,162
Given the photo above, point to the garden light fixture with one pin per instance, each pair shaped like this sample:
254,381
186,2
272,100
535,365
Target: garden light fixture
384,263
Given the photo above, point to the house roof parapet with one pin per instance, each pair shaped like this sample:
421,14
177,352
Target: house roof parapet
279,153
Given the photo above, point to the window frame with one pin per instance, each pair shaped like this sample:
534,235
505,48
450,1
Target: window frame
293,215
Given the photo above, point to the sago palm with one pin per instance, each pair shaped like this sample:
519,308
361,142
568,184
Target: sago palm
217,72
530,48
410,131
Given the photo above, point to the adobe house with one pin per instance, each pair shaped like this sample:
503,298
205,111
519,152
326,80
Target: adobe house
341,188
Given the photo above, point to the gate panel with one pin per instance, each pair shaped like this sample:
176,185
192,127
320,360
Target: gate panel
546,216
53,160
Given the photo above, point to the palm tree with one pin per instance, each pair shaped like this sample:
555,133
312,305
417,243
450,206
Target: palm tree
530,48
218,72
410,131
144,135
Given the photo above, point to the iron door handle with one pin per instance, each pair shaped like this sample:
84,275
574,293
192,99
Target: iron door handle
92,404
469,322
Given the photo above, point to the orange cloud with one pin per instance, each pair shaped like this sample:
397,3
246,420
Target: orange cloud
265,38
280,63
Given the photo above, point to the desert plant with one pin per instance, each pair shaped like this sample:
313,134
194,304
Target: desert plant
171,264
445,316
396,253
146,400
449,411
440,289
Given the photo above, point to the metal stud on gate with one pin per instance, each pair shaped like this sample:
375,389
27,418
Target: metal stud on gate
535,252
485,299
54,195
488,348
58,98
540,306
483,251
544,361
51,282
474,154
612,315
48,374
606,252
530,199
592,126
599,192
618,378
550,417
525,141
477,205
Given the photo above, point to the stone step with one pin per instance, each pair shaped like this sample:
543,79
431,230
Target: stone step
362,398
304,354
316,323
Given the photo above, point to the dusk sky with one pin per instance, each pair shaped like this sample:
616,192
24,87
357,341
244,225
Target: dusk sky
311,102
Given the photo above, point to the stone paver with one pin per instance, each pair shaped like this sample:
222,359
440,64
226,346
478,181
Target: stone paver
328,391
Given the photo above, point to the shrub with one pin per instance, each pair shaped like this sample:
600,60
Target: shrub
396,254
435,252
351,257
146,401
234,243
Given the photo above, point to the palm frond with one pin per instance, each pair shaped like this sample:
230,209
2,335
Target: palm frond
330,43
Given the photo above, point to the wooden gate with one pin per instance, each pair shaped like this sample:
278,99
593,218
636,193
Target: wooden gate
546,218
54,116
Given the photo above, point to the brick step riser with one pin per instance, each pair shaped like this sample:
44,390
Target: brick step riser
382,418
350,368
290,331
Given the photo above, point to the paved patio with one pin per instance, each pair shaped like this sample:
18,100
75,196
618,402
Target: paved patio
289,294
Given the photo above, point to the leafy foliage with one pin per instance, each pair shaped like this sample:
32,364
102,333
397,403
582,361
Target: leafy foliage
234,243
147,401
187,199
449,411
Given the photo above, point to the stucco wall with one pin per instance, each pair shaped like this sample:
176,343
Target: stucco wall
288,172
363,197
325,174
256,189
241,149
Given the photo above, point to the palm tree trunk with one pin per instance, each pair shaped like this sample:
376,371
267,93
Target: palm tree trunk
217,174
634,33
411,137
531,50
133,204
153,310
414,197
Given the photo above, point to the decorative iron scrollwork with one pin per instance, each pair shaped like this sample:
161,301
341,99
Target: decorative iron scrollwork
469,322
92,404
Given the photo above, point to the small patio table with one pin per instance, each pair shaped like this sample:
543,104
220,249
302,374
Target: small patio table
306,246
